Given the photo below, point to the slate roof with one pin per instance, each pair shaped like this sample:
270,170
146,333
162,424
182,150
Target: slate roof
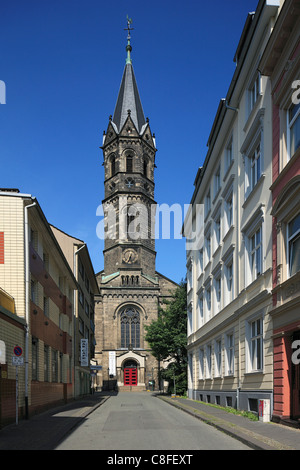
129,99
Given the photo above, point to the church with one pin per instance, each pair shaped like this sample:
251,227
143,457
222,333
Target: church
131,290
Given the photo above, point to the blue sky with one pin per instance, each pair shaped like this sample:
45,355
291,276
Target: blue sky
62,62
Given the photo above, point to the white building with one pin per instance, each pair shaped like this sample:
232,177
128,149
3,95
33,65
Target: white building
230,273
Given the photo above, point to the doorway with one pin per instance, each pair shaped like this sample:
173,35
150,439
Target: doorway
130,373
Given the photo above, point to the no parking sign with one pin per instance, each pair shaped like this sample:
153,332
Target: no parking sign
18,351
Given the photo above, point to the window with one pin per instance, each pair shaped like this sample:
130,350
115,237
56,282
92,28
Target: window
207,203
229,280
201,261
1,247
255,253
228,210
294,245
218,358
145,167
46,363
190,320
130,327
207,247
46,306
228,156
254,92
201,363
217,181
217,283
255,166
113,166
200,310
208,301
293,129
129,164
33,291
208,361
217,231
34,358
256,345
229,354
54,357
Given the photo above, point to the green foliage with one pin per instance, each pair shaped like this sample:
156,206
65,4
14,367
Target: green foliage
167,337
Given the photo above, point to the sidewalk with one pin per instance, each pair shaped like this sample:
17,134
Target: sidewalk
255,434
45,430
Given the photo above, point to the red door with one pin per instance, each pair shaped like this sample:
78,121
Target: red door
130,376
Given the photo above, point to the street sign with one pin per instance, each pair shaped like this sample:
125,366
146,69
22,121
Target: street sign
17,361
18,351
84,353
96,367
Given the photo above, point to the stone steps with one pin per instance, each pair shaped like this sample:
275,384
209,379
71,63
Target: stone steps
131,388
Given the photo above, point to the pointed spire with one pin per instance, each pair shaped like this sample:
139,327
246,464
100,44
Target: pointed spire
129,98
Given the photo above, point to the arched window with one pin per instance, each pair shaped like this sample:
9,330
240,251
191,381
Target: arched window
145,168
129,164
130,327
112,165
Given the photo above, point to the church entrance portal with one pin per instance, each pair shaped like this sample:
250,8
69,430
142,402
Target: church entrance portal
130,373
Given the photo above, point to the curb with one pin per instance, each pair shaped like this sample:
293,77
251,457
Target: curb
249,438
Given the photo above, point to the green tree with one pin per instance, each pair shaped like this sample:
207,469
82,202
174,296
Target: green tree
167,337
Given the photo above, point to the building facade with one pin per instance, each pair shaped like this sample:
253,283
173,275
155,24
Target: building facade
77,255
131,289
229,272
281,62
38,318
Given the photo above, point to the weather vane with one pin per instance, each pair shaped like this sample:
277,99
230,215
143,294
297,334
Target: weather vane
128,47
129,22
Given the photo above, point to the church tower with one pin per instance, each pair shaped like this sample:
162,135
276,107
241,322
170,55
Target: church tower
130,288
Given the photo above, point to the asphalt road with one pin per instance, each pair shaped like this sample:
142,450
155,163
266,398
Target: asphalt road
140,421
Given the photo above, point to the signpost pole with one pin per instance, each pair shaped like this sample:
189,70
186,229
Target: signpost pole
17,396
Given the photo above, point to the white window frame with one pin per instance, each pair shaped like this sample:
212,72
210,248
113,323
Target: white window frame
207,241
217,181
207,203
290,125
229,154
218,357
255,344
208,361
217,293
200,307
255,253
229,281
208,302
290,241
254,92
255,137
201,363
229,350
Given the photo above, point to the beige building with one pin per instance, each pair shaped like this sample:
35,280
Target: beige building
77,255
229,271
38,314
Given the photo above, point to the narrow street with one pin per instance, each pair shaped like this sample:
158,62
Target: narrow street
140,421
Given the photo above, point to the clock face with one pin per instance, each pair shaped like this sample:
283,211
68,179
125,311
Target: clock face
129,256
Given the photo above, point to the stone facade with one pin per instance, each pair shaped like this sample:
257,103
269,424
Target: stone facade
130,288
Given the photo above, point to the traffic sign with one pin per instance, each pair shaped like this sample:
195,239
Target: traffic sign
18,351
17,361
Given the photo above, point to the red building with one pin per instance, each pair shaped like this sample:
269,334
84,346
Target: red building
281,62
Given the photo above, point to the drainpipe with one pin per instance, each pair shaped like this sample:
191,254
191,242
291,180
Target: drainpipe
74,314
27,300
